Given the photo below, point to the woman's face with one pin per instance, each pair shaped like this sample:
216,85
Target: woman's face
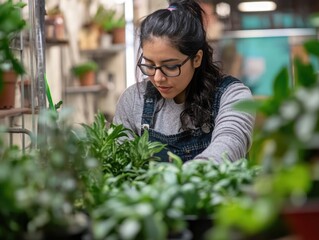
158,52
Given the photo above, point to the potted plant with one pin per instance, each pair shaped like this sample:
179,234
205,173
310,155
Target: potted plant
286,145
10,67
85,72
111,175
54,21
134,196
118,30
111,24
41,187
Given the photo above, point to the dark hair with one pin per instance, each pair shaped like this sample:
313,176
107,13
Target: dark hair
182,24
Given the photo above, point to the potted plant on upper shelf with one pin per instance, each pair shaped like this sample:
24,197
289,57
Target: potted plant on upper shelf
118,29
112,25
54,24
85,72
11,23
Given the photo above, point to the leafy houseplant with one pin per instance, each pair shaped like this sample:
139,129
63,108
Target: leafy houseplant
109,22
133,196
115,179
107,19
85,72
157,203
119,155
11,23
54,21
287,147
40,188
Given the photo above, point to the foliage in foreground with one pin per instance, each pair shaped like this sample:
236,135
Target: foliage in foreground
287,147
158,202
141,198
138,197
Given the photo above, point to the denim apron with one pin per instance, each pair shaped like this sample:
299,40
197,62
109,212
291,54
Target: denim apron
187,144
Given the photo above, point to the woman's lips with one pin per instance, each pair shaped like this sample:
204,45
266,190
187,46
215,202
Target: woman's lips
163,89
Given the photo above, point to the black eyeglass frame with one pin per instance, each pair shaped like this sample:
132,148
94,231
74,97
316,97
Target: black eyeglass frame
139,64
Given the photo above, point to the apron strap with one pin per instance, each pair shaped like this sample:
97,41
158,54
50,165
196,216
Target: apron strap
227,81
149,108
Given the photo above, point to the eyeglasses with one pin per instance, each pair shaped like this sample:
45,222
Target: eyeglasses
167,70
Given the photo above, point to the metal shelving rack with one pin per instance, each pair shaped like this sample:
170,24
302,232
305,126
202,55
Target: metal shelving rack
37,61
33,39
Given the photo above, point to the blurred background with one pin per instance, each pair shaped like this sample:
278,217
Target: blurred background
252,41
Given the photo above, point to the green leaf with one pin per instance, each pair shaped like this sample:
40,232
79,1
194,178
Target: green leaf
48,93
58,105
312,47
281,87
176,160
305,74
20,4
249,105
102,228
129,229
154,227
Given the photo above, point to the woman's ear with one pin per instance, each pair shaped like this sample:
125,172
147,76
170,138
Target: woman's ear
198,58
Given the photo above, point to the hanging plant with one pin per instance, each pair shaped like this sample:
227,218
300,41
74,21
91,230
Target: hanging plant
11,23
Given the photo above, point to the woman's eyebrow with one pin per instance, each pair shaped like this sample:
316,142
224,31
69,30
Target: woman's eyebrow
164,61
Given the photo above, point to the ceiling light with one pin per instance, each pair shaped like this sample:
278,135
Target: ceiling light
223,9
257,6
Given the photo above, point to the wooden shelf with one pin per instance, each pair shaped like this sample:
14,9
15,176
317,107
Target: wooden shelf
104,52
50,42
86,89
56,42
13,112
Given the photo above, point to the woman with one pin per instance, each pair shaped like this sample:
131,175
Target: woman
185,101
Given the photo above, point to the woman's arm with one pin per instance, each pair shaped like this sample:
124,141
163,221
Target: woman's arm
232,135
129,109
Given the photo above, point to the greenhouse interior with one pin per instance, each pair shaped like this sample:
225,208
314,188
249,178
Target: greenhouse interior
183,158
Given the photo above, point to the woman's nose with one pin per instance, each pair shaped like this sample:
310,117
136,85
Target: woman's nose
159,76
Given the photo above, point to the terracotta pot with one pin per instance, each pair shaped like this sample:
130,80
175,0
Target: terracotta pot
55,27
7,94
87,79
27,92
118,35
304,220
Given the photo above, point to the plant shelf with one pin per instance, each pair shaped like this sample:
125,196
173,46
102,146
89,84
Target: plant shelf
98,88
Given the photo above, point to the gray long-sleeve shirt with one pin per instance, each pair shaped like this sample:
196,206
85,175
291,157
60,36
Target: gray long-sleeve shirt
232,134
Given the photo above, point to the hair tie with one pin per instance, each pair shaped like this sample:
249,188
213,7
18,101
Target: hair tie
171,8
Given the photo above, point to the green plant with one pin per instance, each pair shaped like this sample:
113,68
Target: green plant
131,195
158,201
107,19
286,146
83,68
41,188
11,23
291,114
118,154
113,176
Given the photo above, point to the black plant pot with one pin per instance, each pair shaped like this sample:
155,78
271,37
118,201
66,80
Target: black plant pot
278,229
184,235
199,226
80,229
